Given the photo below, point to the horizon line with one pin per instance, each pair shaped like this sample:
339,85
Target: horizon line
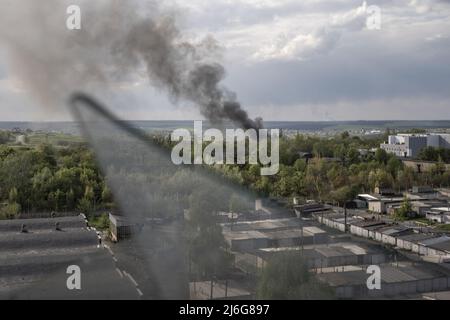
189,120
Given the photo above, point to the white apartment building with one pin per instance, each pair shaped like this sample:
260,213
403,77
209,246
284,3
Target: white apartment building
409,145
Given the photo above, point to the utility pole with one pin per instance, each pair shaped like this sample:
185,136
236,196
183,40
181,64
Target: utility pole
226,288
345,216
302,241
212,287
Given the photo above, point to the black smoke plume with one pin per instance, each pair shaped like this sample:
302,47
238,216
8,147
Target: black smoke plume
119,41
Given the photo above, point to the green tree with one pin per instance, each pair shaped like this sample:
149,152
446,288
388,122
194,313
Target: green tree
380,178
207,250
107,196
342,196
10,211
85,205
239,204
316,178
70,199
381,156
13,195
345,135
353,156
428,154
394,165
286,277
404,211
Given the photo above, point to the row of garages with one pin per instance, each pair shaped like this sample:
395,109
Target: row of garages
396,281
317,257
244,241
393,235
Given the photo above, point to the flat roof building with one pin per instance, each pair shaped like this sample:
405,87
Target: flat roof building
410,145
122,227
405,278
35,255
262,225
255,239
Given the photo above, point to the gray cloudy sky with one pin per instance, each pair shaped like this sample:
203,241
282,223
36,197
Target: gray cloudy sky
296,60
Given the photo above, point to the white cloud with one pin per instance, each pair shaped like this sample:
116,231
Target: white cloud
421,6
12,85
301,47
309,59
319,41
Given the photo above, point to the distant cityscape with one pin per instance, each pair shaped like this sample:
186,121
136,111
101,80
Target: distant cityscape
368,127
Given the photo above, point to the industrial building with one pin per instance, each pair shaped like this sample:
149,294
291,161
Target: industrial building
218,290
422,199
317,257
398,279
305,210
250,240
391,234
410,145
438,214
42,224
262,225
122,227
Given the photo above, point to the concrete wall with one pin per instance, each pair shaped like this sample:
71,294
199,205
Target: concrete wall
376,206
387,239
407,245
248,244
383,238
331,223
433,141
415,145
397,149
359,231
394,289
445,141
424,166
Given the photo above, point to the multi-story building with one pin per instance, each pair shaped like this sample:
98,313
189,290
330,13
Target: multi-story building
410,145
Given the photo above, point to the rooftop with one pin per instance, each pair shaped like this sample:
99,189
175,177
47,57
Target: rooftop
368,197
45,240
261,225
416,237
313,230
33,264
433,241
368,223
286,234
244,235
42,224
442,246
328,250
394,230
391,274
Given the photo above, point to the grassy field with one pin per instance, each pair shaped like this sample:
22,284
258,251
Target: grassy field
53,138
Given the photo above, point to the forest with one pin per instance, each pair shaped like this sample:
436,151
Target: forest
51,177
47,178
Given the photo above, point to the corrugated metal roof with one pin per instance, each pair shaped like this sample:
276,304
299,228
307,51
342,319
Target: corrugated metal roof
417,237
443,246
435,240
42,224
45,240
313,230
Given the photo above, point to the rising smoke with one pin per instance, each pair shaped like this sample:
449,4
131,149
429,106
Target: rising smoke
119,41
